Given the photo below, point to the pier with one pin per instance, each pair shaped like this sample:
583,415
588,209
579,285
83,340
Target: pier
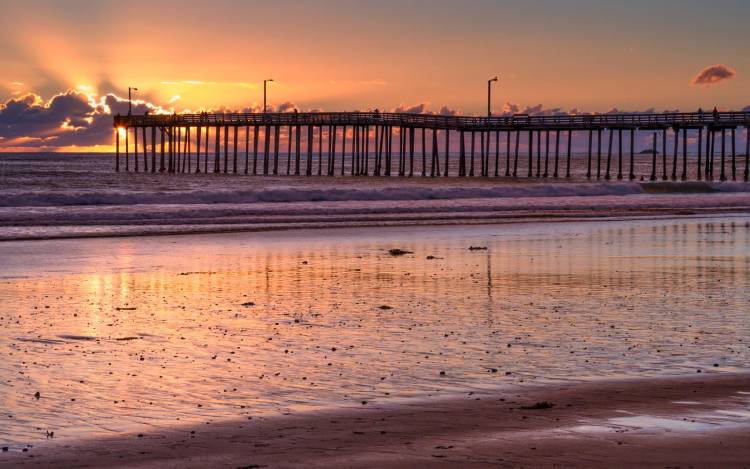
409,145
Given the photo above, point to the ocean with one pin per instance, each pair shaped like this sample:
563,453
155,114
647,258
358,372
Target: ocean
46,196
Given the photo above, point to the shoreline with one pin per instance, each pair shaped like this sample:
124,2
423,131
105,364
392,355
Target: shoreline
651,422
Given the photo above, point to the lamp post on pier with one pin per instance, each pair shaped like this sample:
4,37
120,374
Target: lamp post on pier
489,95
130,99
264,92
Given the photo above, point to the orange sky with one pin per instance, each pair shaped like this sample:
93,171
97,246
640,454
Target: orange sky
336,55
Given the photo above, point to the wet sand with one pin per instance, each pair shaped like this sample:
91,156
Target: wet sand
694,421
265,345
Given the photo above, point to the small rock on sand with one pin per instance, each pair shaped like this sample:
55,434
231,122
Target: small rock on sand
539,405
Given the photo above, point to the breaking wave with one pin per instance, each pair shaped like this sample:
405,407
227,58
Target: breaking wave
20,198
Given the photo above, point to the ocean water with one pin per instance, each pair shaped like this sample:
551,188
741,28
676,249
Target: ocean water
80,195
136,333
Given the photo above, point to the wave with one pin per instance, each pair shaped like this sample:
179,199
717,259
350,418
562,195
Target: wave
47,198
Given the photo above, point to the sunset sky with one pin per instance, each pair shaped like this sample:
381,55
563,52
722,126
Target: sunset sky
577,55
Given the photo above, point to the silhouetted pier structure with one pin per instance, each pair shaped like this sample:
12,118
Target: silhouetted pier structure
400,144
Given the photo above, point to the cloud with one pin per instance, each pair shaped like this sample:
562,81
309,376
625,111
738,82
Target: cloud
713,75
421,108
446,111
536,110
424,108
68,118
510,108
286,107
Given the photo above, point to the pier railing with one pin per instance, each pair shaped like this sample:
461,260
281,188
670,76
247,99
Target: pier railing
444,122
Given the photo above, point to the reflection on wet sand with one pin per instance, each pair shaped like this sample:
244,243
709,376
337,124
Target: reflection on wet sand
118,334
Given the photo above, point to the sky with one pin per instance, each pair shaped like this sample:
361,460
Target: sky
66,65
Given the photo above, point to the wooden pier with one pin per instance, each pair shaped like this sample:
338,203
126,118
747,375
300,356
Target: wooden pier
407,145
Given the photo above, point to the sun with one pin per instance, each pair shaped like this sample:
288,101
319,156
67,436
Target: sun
122,131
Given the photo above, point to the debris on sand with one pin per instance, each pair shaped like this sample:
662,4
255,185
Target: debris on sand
385,307
477,248
399,252
539,405
248,304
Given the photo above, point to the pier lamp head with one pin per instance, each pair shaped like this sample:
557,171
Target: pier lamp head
493,78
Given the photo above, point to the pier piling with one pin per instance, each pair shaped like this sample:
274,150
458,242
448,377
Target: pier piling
178,133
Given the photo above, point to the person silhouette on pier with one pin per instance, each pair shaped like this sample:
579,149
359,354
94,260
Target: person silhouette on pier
716,113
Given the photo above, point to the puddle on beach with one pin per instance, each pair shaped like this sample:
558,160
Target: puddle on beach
646,423
696,421
119,334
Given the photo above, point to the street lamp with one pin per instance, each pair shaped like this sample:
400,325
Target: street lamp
264,92
130,99
489,95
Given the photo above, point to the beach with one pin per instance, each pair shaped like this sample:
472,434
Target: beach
307,339
688,421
